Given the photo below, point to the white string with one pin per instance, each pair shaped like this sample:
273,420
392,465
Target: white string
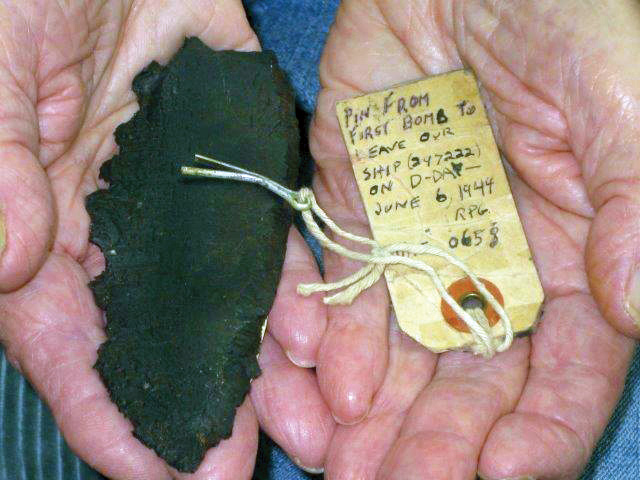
375,261
375,264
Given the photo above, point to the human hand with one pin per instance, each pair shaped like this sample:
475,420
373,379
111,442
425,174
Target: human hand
559,79
65,84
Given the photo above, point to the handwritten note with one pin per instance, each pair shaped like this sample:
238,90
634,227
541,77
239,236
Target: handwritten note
429,172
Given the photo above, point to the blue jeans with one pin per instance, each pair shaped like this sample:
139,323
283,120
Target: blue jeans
31,446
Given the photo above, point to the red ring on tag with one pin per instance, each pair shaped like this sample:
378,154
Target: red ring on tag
463,288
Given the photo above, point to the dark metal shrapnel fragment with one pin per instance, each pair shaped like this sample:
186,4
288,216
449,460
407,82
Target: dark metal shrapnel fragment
192,265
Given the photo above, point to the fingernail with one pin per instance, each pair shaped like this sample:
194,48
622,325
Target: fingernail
353,422
313,471
300,363
525,477
354,401
632,301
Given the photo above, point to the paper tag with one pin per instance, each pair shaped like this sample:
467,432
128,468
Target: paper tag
429,171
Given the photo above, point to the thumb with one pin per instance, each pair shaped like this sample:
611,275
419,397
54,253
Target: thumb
611,170
26,211
613,253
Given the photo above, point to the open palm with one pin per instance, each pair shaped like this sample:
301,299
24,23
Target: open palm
560,82
65,84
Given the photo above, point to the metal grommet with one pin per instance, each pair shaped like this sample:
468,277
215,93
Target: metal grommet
472,300
464,291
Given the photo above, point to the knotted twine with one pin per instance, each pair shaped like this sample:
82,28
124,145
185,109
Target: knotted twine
376,260
380,257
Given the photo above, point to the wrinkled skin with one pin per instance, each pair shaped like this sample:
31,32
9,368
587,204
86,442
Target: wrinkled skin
560,81
563,96
65,84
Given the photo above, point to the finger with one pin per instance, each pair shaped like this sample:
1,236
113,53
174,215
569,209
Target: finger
353,355
148,34
52,330
290,408
234,458
357,451
578,366
26,213
612,173
445,428
297,323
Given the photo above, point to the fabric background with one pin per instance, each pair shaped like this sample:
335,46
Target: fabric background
31,447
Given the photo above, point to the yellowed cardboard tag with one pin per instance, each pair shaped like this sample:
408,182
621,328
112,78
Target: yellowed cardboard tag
429,171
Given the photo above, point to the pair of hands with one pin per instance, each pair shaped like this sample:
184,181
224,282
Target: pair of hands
560,81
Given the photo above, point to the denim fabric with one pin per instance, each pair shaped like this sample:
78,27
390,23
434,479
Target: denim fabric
296,31
617,455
